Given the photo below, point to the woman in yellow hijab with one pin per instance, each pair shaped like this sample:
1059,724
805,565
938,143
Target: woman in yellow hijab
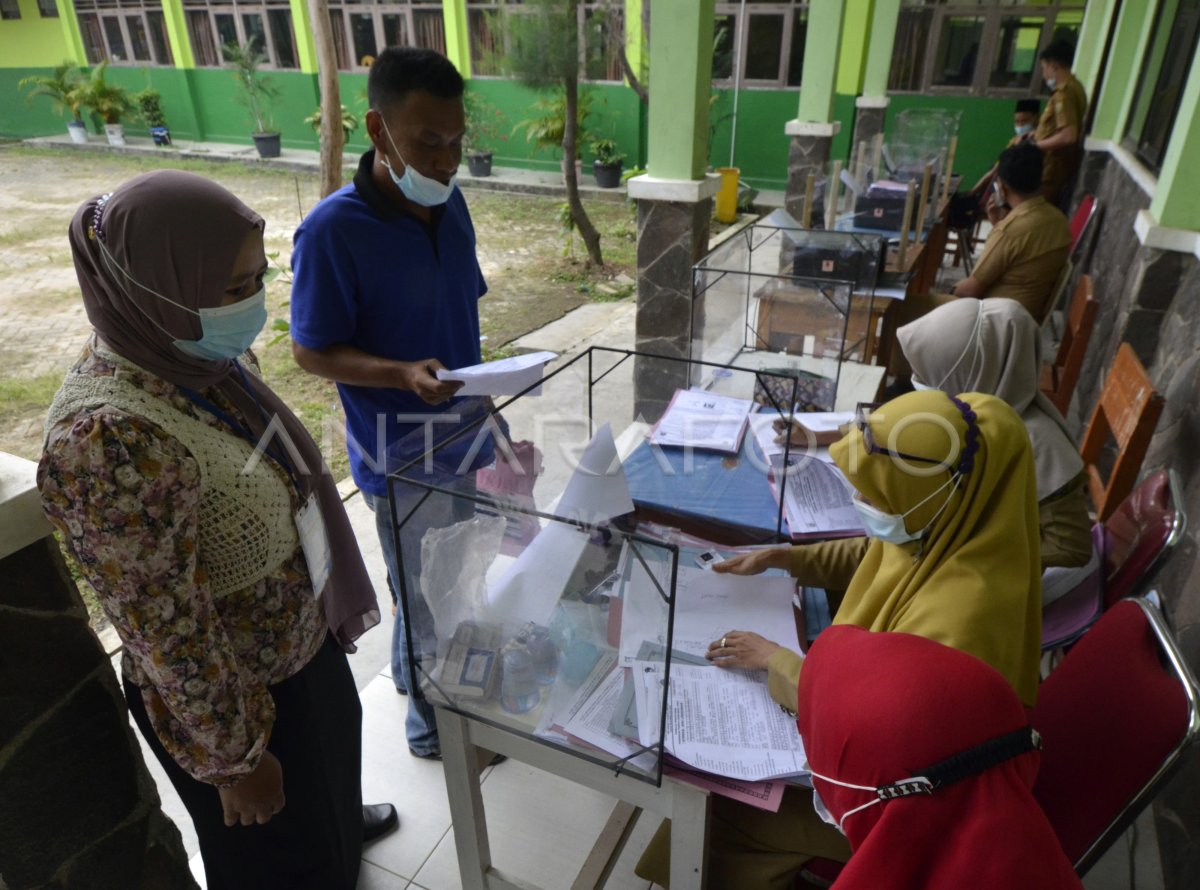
947,491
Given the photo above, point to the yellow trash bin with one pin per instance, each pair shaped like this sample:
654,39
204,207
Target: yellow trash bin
727,197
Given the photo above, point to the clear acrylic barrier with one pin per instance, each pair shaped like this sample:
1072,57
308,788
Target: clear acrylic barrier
793,300
526,598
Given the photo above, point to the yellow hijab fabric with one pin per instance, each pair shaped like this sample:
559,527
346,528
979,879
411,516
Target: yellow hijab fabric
974,581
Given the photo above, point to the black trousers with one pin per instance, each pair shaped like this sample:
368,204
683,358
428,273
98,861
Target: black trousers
315,842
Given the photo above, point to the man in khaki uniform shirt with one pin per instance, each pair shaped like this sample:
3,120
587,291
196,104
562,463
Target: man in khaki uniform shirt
1028,246
1059,132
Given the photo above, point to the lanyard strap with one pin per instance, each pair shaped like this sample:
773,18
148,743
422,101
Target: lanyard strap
275,453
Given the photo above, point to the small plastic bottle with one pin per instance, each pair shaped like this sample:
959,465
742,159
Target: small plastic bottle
518,683
544,653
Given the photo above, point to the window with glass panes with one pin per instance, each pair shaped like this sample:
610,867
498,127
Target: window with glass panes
48,9
362,28
10,9
764,39
124,32
985,48
601,32
213,24
1162,79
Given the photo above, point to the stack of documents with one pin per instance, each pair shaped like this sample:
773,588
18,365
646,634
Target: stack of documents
504,377
816,496
699,419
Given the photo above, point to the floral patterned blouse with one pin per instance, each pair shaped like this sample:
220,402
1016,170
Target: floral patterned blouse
125,495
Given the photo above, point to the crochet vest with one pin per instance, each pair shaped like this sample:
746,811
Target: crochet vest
247,529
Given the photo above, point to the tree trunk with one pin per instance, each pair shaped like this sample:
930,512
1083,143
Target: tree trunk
591,238
333,138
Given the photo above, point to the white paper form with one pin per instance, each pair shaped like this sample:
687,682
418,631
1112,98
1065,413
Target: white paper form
699,419
643,609
817,499
724,721
708,605
503,377
597,491
591,719
770,442
535,582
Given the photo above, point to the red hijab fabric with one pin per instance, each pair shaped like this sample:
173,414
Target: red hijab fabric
879,707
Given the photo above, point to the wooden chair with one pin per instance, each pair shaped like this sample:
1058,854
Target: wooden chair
1127,412
1060,375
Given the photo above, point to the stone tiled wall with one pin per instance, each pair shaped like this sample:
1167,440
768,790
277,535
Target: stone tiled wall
1151,299
672,237
868,122
807,154
77,807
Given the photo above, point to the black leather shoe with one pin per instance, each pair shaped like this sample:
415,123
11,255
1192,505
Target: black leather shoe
378,820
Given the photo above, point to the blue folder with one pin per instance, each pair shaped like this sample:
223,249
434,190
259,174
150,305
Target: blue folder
728,489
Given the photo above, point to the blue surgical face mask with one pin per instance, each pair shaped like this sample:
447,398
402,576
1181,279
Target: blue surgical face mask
1022,129
890,527
1051,82
225,331
228,331
414,185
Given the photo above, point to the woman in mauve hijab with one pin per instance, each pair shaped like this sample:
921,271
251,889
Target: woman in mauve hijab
197,506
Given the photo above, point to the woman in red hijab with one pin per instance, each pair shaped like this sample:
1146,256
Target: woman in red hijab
924,757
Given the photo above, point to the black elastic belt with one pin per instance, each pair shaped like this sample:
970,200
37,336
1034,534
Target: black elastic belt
965,764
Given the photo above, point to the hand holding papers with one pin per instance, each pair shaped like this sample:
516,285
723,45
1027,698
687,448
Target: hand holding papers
505,377
699,419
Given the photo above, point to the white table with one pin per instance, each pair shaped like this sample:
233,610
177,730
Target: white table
685,805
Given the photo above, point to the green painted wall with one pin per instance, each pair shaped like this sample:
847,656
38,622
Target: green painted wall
615,114
21,118
32,41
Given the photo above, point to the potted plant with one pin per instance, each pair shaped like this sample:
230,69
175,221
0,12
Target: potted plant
149,102
108,100
63,89
349,121
257,93
546,129
607,165
484,121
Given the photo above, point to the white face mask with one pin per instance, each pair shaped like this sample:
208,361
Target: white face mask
415,185
889,527
1023,129
839,824
1051,82
922,387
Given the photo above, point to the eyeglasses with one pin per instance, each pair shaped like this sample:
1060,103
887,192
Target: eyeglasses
872,447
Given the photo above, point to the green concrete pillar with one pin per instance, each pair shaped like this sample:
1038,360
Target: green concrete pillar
1134,23
884,18
72,36
1175,205
306,47
1097,18
635,38
819,76
680,86
458,37
177,33
852,56
674,198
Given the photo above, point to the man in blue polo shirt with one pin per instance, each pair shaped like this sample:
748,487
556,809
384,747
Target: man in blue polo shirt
385,292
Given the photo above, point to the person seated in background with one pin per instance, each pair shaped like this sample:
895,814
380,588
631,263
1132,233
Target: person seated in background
993,347
1059,132
1025,118
878,709
1029,242
947,492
